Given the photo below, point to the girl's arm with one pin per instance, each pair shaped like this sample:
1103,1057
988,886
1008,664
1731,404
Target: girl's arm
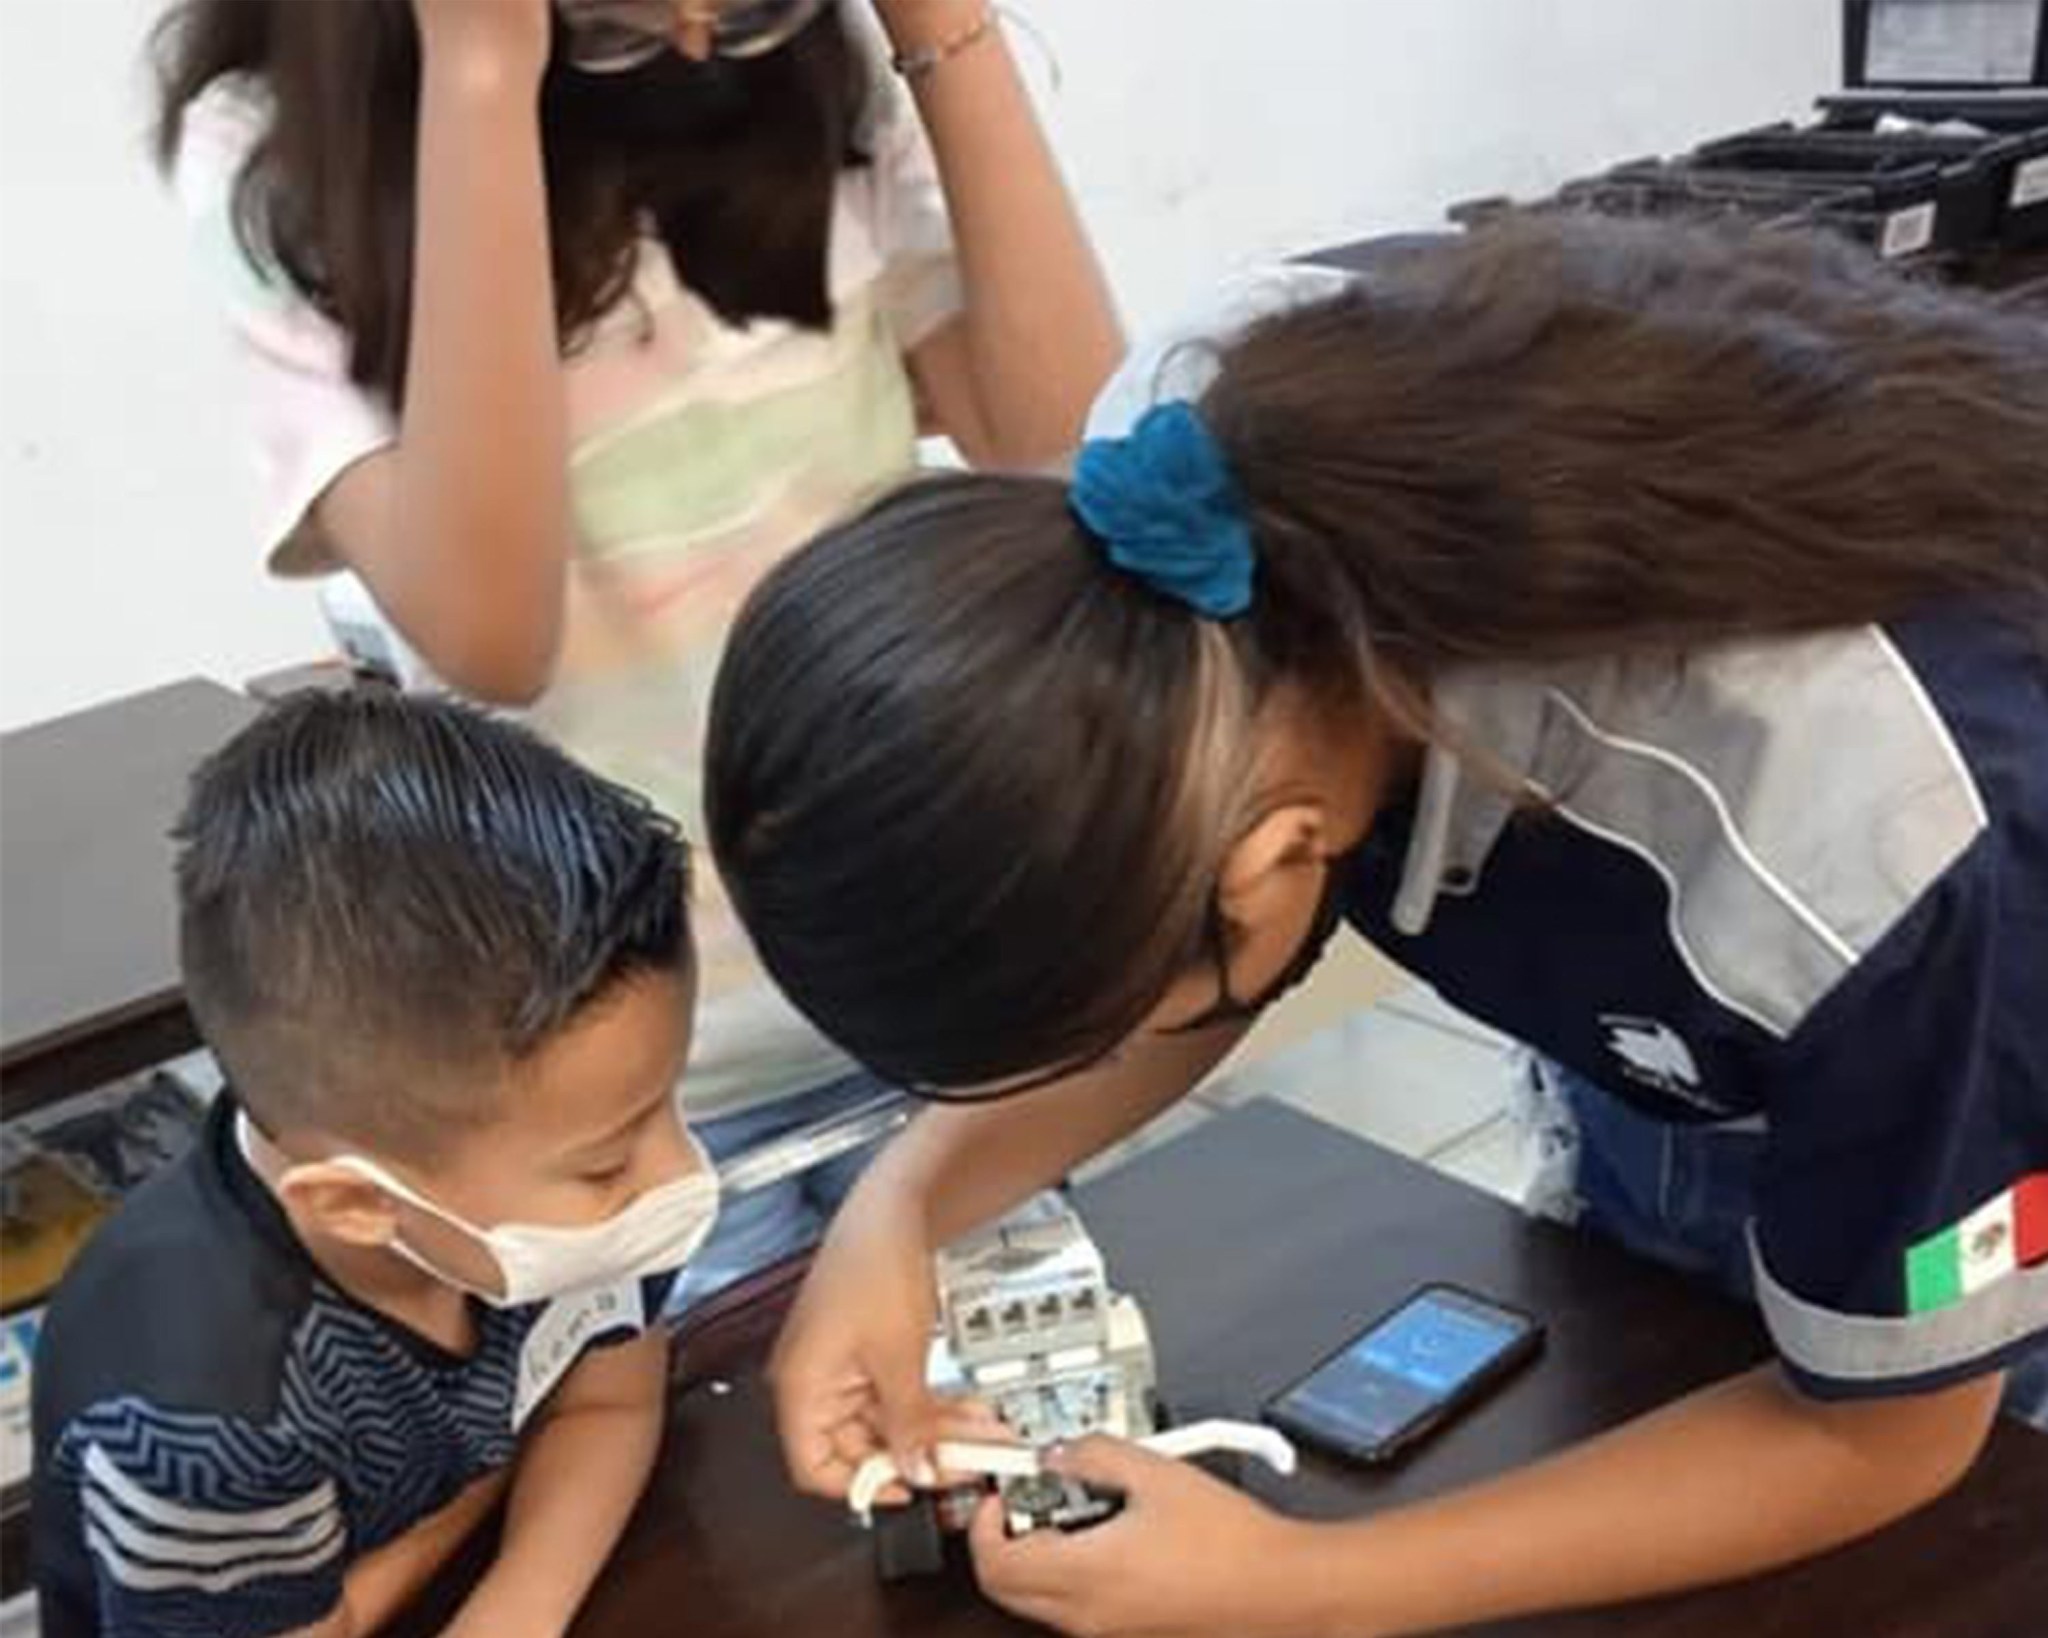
1742,1477
462,528
1738,1478
1013,379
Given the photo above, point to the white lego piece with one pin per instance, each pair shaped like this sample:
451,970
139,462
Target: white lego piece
990,1460
1254,1439
972,1457
1029,1324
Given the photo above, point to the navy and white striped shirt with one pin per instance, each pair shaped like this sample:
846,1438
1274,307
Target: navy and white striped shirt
220,1432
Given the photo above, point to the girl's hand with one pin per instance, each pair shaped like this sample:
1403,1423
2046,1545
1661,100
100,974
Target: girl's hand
1187,1558
506,37
849,1370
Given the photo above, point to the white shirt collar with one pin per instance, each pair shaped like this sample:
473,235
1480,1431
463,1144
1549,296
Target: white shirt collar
1475,778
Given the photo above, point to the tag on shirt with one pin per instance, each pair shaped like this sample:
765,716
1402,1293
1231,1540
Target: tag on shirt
566,1327
2030,184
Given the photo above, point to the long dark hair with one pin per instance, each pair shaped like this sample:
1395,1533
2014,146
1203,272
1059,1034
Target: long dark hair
970,787
735,162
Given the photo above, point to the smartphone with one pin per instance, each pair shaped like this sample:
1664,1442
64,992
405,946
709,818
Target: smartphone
1407,1374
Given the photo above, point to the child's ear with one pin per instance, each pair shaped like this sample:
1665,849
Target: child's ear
339,1203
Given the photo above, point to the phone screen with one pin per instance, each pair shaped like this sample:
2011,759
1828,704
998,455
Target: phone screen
1404,1369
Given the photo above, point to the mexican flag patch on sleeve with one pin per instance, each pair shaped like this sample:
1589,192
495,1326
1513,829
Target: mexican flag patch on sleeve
2007,1233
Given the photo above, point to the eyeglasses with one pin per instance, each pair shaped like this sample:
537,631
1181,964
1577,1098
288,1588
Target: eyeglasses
612,36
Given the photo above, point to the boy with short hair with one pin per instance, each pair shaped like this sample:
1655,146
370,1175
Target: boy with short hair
414,1261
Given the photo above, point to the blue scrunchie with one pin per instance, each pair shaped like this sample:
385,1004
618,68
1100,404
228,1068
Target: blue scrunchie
1166,509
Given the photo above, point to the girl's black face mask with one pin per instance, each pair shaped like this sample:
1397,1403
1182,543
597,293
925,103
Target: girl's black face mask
1227,1009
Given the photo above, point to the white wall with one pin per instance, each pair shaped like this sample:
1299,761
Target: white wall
1201,134
126,554
1209,132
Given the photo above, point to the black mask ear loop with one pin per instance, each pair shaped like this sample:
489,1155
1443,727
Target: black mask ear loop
1035,1082
1228,1009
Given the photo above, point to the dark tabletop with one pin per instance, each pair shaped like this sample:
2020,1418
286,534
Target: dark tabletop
88,936
1258,1243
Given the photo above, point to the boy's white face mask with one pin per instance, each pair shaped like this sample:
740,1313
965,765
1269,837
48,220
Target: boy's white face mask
659,1231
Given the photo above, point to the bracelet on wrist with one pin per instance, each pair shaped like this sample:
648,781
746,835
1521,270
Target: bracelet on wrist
915,63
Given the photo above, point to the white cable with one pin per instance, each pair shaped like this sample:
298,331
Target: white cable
1254,1439
980,1458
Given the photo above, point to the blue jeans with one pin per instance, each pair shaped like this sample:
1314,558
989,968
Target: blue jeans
757,1230
1684,1195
